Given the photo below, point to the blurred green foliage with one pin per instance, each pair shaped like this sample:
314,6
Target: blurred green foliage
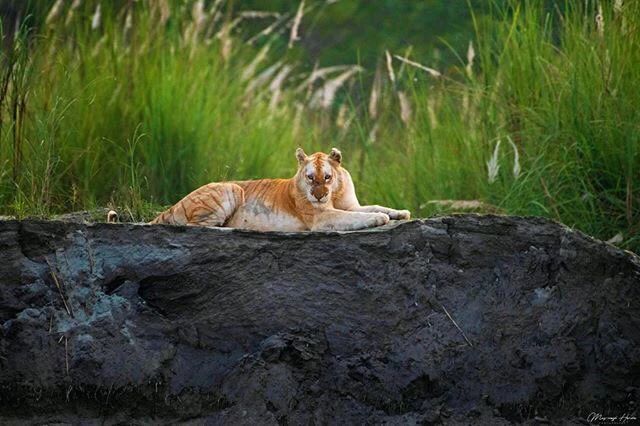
348,31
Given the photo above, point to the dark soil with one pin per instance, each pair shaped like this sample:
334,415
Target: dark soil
151,324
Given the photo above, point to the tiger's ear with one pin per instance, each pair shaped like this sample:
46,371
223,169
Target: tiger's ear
336,155
301,156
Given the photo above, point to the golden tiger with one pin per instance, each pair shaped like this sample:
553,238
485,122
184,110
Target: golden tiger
320,197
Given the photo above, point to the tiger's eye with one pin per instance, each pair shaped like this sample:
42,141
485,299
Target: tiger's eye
327,177
310,177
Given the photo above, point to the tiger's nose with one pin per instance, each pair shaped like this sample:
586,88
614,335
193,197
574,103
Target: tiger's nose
319,193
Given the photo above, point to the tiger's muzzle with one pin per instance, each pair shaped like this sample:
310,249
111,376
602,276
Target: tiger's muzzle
320,193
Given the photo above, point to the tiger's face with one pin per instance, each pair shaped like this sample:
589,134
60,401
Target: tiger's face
317,175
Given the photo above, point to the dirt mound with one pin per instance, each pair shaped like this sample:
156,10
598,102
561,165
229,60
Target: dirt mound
478,319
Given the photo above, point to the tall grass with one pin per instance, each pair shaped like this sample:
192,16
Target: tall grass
539,117
117,112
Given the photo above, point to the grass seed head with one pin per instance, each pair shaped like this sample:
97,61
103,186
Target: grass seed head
96,18
471,54
405,107
55,12
296,25
375,95
492,165
392,75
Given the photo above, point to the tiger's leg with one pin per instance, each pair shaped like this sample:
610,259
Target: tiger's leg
392,213
210,205
343,220
347,200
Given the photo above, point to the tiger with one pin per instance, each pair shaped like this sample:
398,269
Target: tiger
319,197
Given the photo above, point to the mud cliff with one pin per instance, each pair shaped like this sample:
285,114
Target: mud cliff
482,319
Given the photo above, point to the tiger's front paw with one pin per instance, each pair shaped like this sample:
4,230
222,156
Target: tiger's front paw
400,214
378,219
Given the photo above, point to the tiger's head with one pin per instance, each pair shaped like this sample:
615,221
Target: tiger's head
318,175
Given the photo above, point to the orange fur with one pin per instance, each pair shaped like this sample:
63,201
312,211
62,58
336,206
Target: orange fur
319,196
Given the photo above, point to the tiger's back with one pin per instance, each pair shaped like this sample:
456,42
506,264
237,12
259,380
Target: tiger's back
269,204
210,205
263,205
